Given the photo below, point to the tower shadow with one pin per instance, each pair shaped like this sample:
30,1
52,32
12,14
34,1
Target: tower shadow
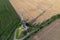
33,20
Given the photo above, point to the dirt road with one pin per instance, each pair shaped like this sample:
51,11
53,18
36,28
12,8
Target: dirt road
52,32
33,8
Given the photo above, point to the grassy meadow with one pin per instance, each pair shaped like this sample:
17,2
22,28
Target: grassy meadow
9,20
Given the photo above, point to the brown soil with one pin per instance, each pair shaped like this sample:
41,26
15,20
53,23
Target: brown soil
52,32
33,8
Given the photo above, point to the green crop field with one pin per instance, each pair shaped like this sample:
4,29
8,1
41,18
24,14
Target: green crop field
8,20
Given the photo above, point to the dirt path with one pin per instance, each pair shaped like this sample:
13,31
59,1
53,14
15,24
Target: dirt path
33,8
52,32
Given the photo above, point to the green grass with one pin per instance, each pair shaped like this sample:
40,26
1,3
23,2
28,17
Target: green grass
8,20
19,33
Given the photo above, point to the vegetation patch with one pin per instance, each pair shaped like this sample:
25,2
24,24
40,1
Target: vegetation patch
8,20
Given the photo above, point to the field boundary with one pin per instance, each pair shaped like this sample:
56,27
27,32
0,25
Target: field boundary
43,24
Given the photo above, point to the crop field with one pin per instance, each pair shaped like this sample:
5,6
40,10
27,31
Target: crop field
8,20
51,32
34,9
44,26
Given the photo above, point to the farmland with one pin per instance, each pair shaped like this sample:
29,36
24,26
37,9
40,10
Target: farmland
51,32
34,8
8,20
44,26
